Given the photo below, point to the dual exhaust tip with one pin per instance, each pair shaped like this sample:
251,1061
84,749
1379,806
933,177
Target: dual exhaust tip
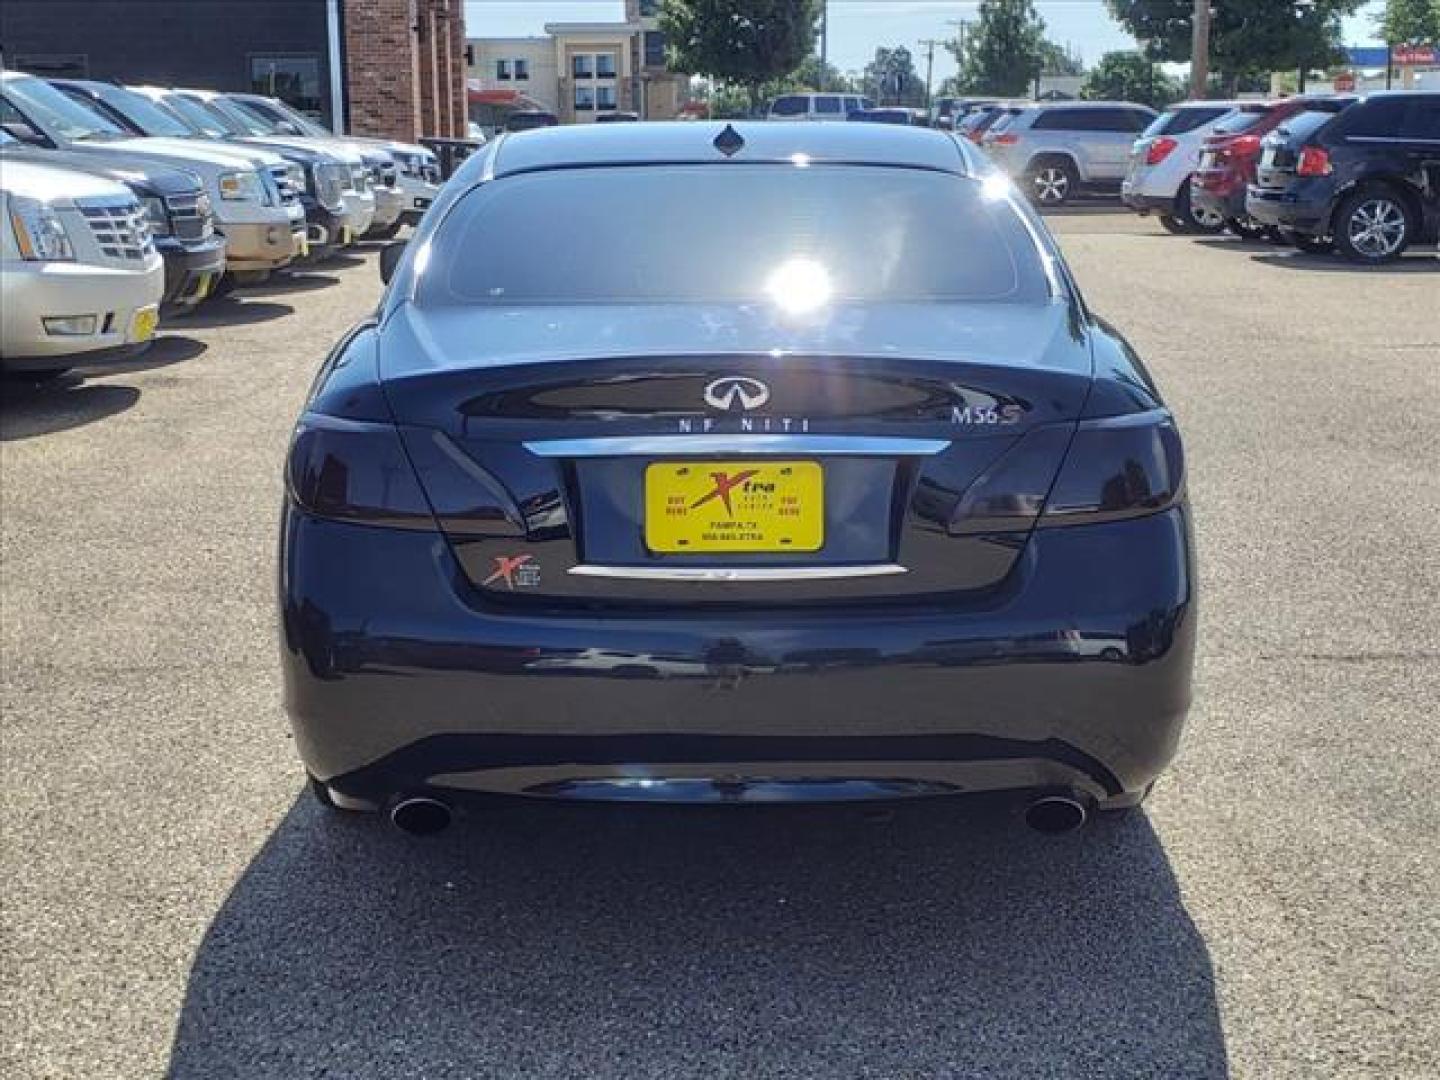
1053,815
421,815
1057,813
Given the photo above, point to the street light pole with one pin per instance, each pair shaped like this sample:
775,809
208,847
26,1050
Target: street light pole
1200,50
929,46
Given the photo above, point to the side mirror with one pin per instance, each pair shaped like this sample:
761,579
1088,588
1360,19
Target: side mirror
390,256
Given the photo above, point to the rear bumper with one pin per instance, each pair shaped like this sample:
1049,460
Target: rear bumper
397,677
1298,208
1228,203
1146,204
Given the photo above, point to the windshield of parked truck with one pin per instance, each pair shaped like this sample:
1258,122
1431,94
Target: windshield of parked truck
61,117
306,125
198,117
142,112
239,118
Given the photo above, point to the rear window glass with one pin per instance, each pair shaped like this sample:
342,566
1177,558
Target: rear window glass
1183,120
1303,125
1243,120
707,233
827,105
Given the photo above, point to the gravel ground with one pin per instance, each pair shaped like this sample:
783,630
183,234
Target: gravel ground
173,902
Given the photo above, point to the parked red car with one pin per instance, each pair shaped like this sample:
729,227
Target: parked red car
1228,156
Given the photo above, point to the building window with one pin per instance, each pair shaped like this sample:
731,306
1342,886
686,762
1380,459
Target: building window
295,80
522,70
502,70
604,97
584,99
605,66
654,48
53,65
582,66
649,8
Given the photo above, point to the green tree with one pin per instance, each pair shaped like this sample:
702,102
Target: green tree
1247,37
1410,22
891,78
811,76
1005,51
1130,76
744,43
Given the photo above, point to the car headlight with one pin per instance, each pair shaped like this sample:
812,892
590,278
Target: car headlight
241,187
156,216
359,177
296,175
330,180
39,232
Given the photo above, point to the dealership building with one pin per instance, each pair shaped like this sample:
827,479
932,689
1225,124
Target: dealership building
370,67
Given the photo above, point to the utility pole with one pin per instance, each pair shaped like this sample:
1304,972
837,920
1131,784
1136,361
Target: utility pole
929,46
824,40
1200,50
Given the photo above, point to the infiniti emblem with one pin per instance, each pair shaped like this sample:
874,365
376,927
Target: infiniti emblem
723,393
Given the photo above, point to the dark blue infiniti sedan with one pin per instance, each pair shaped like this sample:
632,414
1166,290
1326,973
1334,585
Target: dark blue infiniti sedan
698,462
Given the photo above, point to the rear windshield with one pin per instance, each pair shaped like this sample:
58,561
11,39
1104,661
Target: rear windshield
1243,120
731,233
1303,125
1179,121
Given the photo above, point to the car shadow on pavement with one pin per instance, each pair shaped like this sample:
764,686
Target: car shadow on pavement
233,311
530,940
1413,263
292,283
30,409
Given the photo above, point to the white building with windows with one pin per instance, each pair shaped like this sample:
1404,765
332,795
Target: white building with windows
579,70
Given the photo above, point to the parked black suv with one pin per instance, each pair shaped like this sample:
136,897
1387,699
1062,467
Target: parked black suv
1366,179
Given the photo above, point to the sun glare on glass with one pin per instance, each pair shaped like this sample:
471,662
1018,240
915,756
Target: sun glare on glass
798,286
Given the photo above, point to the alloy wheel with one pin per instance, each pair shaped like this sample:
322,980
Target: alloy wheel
1052,184
1376,228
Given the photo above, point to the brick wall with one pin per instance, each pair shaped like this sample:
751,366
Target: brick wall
405,68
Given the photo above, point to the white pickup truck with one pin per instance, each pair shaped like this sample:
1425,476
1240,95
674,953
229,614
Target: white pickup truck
252,190
81,280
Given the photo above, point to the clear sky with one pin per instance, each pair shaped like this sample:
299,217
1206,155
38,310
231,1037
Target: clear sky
857,27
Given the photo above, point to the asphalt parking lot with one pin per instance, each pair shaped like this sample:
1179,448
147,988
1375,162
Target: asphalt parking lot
175,904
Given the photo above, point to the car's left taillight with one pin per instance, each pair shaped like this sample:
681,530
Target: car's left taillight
356,471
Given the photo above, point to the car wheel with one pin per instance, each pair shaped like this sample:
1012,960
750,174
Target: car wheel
1173,224
1198,219
1373,226
1247,228
1051,183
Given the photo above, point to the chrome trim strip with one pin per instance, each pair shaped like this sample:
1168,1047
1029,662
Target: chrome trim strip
737,573
633,445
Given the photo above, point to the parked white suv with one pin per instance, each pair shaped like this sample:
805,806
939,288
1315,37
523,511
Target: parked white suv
816,106
1055,149
1162,161
261,219
81,278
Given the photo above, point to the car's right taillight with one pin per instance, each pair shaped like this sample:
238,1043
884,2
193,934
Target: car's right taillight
1314,161
1159,150
1118,467
1005,139
1246,146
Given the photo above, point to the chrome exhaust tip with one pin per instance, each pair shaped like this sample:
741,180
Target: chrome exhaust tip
1055,815
420,815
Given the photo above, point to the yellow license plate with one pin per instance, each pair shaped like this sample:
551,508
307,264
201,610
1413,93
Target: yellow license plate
302,245
202,290
701,506
142,326
346,236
